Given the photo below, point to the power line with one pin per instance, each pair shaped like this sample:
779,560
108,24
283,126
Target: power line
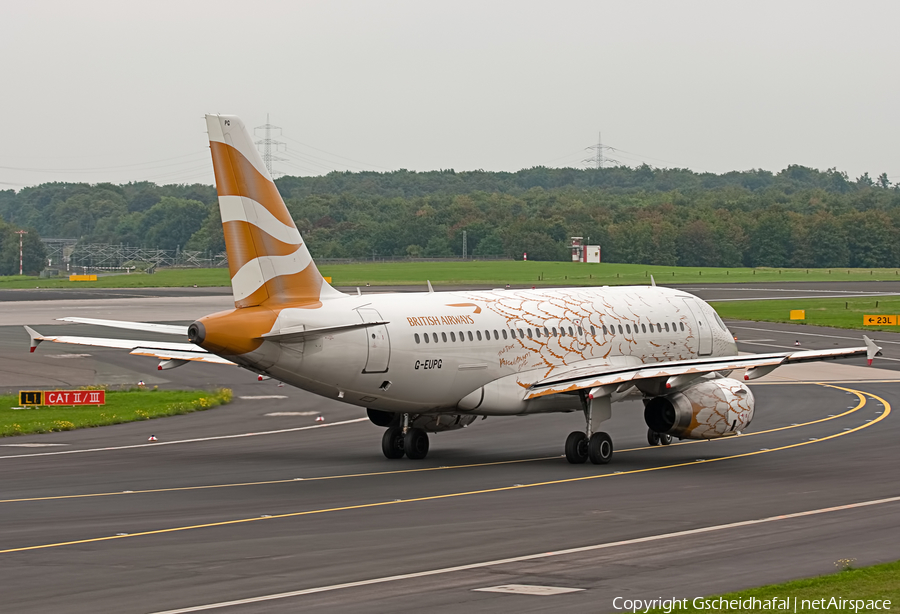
599,158
270,146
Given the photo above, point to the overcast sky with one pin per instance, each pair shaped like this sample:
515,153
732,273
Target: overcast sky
116,91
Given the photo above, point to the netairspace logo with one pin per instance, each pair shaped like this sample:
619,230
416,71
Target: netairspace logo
775,604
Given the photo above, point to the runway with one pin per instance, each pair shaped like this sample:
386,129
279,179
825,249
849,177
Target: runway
279,513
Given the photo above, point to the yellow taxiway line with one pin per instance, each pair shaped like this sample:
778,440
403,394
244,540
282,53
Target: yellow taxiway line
860,395
416,470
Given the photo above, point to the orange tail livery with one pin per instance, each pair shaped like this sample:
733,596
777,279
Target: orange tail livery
268,261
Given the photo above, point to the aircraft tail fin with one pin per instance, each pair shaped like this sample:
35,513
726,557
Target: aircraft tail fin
267,258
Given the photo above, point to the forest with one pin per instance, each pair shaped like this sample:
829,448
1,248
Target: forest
798,217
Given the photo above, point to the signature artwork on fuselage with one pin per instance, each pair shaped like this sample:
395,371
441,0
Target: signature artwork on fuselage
427,362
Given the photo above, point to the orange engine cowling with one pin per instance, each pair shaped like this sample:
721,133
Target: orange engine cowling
706,410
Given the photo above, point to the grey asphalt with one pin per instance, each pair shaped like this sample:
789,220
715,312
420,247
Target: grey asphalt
370,518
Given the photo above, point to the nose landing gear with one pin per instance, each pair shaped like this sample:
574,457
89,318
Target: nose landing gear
658,439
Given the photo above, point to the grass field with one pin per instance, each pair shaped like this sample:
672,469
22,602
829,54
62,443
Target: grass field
880,582
121,406
495,272
836,312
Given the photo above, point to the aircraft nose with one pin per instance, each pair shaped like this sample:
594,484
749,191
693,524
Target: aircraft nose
197,333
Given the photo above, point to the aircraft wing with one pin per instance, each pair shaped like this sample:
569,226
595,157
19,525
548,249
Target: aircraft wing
173,354
668,375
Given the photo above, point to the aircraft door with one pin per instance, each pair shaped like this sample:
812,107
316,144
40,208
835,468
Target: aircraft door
379,342
704,332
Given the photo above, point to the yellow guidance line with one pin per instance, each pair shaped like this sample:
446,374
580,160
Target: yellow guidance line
416,470
861,395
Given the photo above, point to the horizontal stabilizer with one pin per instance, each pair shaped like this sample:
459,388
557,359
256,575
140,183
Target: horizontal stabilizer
181,357
166,329
298,333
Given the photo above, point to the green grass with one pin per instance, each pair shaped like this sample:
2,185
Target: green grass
836,312
876,582
121,406
491,272
164,278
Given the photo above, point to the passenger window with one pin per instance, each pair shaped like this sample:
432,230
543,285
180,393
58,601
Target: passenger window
571,333
537,332
682,326
628,328
435,337
417,337
603,326
478,334
580,332
444,337
667,327
554,331
644,328
593,331
546,332
522,334
621,332
658,327
496,334
504,333
487,335
452,336
529,332
470,336
426,338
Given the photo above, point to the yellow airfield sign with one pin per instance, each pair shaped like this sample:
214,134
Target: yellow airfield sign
879,320
798,314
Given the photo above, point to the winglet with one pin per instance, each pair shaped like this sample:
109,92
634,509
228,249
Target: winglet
36,337
652,281
430,289
872,350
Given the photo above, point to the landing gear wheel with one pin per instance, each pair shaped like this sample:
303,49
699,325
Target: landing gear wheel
652,437
664,439
600,448
576,447
415,443
392,443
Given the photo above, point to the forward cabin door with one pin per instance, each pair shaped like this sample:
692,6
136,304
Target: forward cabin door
378,341
704,332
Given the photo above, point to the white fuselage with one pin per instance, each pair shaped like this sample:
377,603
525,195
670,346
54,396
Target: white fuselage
439,347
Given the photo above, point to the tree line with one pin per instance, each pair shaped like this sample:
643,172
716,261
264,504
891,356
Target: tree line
798,217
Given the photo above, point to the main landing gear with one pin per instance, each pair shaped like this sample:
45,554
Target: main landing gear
401,440
581,446
658,439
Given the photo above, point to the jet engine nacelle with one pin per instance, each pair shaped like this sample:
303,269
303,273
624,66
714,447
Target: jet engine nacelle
706,410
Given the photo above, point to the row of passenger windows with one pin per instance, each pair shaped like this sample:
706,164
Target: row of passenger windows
539,332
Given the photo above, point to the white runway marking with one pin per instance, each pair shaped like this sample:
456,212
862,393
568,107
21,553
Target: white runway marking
528,589
529,557
293,413
68,355
790,332
198,439
265,396
789,298
31,445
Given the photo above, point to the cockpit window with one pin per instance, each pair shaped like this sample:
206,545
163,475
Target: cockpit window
721,323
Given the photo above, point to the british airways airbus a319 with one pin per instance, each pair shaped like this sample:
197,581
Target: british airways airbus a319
421,363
